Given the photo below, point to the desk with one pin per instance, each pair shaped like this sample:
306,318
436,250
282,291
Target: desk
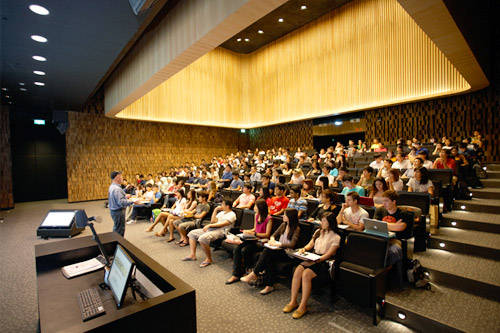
57,303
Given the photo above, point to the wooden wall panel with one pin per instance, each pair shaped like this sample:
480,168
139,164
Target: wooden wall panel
6,191
96,145
290,135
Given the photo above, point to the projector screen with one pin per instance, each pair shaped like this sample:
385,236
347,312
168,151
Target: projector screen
55,219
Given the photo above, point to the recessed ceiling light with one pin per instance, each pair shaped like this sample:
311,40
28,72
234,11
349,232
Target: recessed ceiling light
303,7
22,89
39,83
39,72
7,96
238,40
10,102
39,58
260,32
5,89
21,84
280,20
38,38
39,10
247,40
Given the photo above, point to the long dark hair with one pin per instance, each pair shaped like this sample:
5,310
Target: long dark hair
424,173
265,191
374,190
332,222
293,221
193,197
263,210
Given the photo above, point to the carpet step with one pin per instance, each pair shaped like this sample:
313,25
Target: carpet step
492,167
493,174
472,221
486,193
491,183
478,205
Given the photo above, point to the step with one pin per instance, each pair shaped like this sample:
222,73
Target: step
490,183
493,175
455,310
478,205
486,193
477,243
475,269
492,167
472,221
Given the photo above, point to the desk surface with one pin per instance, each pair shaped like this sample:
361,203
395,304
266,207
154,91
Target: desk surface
58,306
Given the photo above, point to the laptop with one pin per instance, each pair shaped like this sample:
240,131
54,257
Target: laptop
377,228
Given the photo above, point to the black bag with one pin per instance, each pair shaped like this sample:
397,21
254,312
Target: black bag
218,198
418,274
462,191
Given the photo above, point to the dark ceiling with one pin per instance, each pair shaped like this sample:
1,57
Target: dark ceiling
293,15
87,38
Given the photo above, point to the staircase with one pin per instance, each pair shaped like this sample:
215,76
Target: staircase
463,260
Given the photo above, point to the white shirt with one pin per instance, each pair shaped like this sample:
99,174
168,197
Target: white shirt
376,165
418,187
355,218
428,164
331,179
398,186
406,164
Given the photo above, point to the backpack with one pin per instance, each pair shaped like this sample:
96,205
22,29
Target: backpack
218,198
462,191
418,274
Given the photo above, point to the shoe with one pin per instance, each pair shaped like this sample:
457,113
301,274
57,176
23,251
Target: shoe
289,308
264,292
231,280
170,240
189,259
132,222
205,264
298,314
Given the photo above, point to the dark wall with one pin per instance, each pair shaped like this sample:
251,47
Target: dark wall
38,158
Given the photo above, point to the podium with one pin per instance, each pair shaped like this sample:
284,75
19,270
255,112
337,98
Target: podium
174,306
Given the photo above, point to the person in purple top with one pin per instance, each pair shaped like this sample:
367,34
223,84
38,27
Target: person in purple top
244,252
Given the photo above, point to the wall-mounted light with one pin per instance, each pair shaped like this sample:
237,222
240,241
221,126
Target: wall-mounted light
454,223
442,244
401,315
243,130
338,123
462,207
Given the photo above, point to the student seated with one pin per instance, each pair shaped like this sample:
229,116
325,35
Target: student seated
417,162
349,186
279,203
243,253
401,162
343,171
191,221
308,191
286,237
265,195
377,191
246,199
152,194
378,162
297,177
266,182
351,214
324,242
297,202
177,209
189,210
384,172
328,199
421,182
397,221
367,178
325,173
423,154
393,181
223,219
237,183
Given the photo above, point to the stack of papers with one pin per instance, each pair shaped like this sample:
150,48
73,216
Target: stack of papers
307,256
82,268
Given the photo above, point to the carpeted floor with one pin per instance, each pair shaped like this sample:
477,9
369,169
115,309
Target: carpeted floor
220,308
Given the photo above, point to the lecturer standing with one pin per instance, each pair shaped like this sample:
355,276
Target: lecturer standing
118,202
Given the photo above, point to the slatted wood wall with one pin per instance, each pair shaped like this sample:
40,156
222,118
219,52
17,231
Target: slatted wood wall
6,193
291,135
96,145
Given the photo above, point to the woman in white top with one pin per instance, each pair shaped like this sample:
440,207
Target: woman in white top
177,214
163,216
298,177
286,169
325,243
393,181
378,188
420,182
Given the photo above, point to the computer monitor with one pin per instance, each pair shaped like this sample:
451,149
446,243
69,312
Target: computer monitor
119,275
58,219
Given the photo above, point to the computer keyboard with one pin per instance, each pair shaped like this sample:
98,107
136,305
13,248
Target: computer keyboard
90,304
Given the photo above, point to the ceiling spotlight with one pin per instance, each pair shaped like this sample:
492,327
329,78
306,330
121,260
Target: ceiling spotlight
260,32
280,20
39,10
21,83
39,39
7,96
338,123
401,315
247,40
39,72
39,83
5,89
22,89
10,102
303,7
39,58
238,40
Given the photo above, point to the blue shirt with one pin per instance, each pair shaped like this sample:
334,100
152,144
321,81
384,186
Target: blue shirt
300,205
334,172
359,189
227,175
117,199
157,196
236,183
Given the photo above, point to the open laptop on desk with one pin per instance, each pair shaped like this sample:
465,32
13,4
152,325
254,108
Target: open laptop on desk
377,228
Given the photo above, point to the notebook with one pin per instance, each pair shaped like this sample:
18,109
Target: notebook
377,228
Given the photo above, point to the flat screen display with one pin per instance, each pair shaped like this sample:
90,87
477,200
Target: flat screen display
119,274
58,219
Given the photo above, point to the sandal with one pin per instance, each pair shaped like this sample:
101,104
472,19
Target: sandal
205,264
183,244
160,235
189,259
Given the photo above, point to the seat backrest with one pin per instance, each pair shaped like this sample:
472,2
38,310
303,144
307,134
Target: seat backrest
257,186
235,195
248,219
417,199
277,221
408,232
306,232
287,179
226,193
443,175
365,250
311,206
239,216
282,179
369,209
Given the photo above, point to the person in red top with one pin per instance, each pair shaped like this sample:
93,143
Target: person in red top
279,203
444,161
